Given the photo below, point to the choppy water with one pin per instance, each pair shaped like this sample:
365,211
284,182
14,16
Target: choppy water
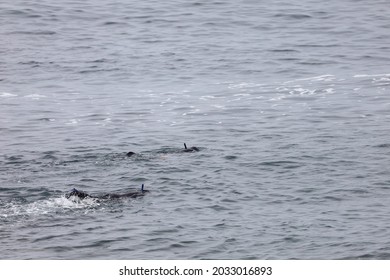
288,102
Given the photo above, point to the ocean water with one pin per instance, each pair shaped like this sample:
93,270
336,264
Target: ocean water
288,102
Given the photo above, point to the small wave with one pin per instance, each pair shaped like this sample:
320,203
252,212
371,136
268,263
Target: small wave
28,13
376,255
36,32
88,71
33,63
282,163
283,50
384,145
293,16
114,23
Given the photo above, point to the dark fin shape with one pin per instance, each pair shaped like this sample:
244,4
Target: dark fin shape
192,149
143,190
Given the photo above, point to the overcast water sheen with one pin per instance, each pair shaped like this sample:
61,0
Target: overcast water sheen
287,101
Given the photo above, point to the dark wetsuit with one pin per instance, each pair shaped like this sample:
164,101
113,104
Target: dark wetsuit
82,195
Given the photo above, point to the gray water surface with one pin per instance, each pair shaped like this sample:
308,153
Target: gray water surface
288,102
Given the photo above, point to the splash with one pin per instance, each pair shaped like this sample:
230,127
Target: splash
22,209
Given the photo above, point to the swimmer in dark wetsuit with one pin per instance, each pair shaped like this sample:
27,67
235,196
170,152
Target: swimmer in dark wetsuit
188,150
82,195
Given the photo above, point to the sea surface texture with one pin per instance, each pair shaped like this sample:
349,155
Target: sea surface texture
287,101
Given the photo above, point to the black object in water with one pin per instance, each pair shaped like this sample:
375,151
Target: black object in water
82,195
192,149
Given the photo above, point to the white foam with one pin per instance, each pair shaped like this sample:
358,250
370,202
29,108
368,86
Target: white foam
75,202
72,121
206,97
7,94
370,75
329,90
302,91
194,111
219,106
326,77
47,206
244,85
35,96
242,94
381,80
